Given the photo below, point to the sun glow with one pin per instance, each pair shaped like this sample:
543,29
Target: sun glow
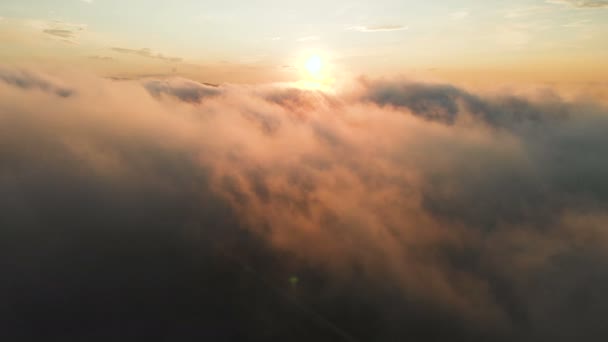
316,70
314,66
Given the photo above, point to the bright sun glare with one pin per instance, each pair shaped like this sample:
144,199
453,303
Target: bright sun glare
316,72
314,64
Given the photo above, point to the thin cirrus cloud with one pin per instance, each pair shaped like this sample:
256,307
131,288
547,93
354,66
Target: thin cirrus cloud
101,58
60,33
582,3
145,52
377,28
308,38
459,14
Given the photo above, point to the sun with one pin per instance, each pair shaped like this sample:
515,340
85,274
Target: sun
316,70
314,66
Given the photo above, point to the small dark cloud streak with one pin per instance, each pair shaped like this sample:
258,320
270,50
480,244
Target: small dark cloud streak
66,32
183,89
60,33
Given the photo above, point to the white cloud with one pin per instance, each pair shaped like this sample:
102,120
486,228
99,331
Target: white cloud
377,28
577,24
582,3
459,14
523,12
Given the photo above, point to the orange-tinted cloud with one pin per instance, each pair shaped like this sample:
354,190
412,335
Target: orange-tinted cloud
409,210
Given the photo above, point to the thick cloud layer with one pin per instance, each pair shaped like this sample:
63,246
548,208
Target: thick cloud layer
392,211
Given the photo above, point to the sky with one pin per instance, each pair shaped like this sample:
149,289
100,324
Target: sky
265,41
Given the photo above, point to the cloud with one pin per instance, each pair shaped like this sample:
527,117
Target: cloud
577,24
582,3
407,210
447,104
527,11
145,52
183,89
459,14
308,38
378,28
60,33
64,31
30,80
101,58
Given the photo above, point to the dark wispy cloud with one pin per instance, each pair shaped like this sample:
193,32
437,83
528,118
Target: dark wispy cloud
582,3
64,31
31,80
448,104
145,52
183,89
186,211
60,33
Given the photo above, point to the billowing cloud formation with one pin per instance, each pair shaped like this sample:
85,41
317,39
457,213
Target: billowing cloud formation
405,210
448,104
